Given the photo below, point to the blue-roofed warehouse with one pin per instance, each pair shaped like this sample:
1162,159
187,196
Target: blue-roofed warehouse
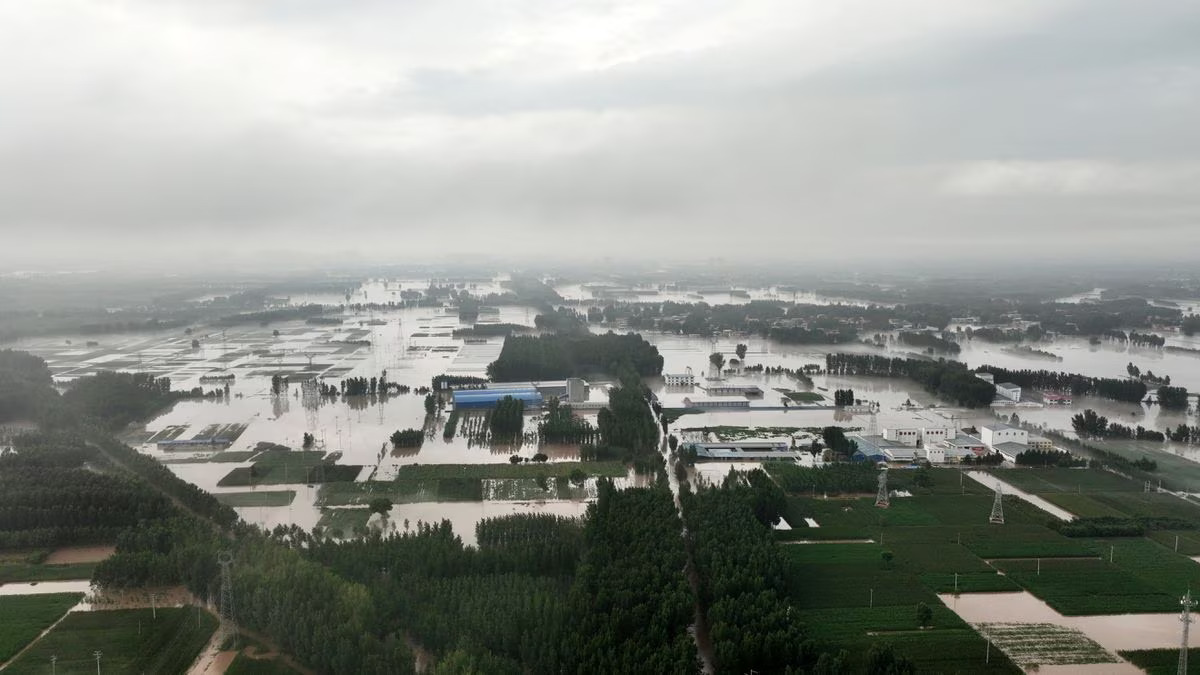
481,399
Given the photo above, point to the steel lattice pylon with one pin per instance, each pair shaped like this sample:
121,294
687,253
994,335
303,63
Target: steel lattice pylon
997,516
881,499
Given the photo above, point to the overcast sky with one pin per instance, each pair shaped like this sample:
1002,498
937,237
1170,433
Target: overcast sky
177,129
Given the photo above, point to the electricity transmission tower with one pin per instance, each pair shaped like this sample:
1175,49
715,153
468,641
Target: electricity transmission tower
881,498
872,425
1186,618
997,516
225,560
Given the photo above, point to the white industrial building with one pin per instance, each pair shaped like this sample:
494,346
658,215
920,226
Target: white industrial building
918,436
993,435
684,379
1009,391
713,403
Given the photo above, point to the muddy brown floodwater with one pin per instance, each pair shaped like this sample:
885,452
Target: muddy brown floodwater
1114,632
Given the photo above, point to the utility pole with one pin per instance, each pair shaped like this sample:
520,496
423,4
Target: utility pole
97,654
1186,618
154,606
53,664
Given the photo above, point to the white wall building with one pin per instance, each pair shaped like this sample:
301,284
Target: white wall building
913,436
907,436
995,434
935,454
684,379
1009,391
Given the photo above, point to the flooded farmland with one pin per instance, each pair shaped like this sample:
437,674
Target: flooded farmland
412,345
1116,632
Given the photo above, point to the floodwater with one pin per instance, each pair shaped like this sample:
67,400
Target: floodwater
465,515
414,344
45,587
1114,632
991,481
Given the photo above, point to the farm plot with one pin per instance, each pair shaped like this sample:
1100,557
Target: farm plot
948,645
132,641
1078,481
849,575
24,617
282,467
1087,586
1162,661
1188,540
11,572
1042,644
258,498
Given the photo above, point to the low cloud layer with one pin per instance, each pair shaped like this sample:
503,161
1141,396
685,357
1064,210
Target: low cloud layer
151,129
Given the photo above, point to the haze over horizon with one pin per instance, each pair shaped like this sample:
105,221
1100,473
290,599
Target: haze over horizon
165,132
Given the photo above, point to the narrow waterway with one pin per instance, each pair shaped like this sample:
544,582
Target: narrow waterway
991,481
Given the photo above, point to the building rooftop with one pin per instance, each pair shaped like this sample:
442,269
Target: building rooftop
1010,448
964,440
1007,385
998,426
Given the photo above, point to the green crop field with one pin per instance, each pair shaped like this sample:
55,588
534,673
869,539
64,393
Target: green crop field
1169,572
1163,661
1084,506
1188,540
1080,481
10,572
843,575
1087,586
233,456
258,498
1150,504
132,641
24,617
343,522
289,458
948,646
289,474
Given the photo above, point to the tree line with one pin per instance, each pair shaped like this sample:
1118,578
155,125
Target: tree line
507,418
1131,391
560,425
948,379
929,341
557,356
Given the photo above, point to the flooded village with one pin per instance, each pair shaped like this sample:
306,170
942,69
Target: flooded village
371,413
